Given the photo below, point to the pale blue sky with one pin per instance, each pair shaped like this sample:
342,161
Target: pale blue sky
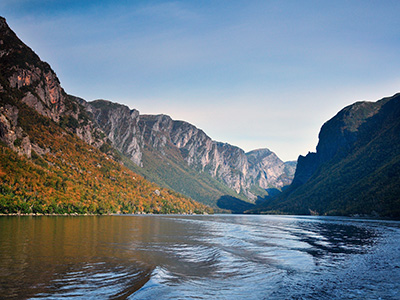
251,73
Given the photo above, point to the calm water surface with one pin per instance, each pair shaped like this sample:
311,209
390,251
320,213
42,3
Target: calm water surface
198,257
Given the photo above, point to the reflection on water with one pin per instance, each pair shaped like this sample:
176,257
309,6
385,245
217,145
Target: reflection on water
73,256
198,257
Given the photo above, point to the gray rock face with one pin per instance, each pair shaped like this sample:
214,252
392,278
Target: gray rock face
48,100
158,138
39,88
11,134
133,134
268,171
119,123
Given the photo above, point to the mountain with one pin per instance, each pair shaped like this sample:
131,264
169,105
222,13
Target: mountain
53,157
173,154
356,168
182,157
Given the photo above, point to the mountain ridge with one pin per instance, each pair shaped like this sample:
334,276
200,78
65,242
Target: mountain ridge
53,159
356,168
190,146
175,154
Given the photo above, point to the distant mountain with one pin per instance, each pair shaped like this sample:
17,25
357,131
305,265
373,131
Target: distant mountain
173,154
356,169
53,157
182,157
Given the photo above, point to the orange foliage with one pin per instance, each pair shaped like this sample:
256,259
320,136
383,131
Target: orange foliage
75,177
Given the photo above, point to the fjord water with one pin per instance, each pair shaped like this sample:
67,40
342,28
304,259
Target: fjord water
198,257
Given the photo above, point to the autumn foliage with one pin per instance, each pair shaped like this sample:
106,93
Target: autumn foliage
69,176
56,171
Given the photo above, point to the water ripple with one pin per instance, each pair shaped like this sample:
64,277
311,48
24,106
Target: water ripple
199,257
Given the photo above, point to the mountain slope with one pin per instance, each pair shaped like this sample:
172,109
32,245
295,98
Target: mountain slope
180,156
356,169
173,154
47,160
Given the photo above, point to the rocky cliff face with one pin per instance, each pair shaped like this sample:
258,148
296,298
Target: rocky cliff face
133,134
47,160
167,151
11,134
267,170
356,168
23,70
25,77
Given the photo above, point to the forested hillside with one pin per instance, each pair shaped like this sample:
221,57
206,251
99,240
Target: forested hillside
356,169
53,159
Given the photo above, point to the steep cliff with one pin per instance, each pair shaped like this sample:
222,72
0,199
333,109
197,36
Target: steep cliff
174,154
47,160
267,170
337,137
26,77
356,168
187,152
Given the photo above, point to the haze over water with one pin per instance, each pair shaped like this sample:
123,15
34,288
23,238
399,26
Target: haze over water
198,257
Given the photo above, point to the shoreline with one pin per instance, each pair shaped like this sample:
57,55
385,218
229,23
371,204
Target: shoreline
365,218
79,215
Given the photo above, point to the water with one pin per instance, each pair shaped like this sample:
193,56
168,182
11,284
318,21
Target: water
198,257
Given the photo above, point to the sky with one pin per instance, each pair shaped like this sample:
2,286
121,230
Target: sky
255,74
